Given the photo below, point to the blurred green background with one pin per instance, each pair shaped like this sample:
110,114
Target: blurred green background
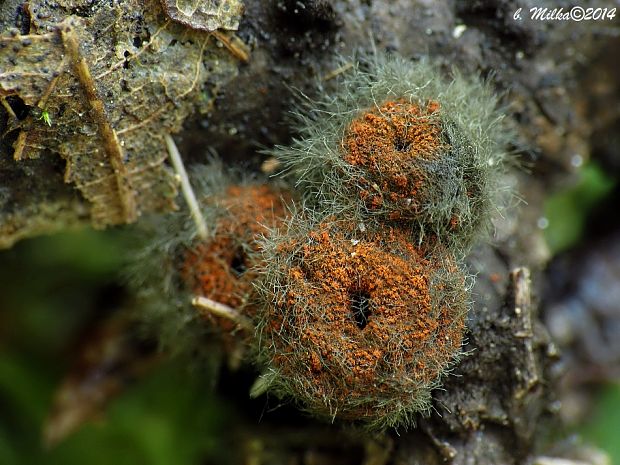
53,288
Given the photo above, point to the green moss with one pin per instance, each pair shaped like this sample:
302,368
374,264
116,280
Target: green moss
154,422
53,289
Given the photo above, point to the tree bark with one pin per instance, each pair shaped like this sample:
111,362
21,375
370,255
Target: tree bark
499,401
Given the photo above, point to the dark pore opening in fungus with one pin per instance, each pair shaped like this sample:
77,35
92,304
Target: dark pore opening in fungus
360,307
238,263
401,144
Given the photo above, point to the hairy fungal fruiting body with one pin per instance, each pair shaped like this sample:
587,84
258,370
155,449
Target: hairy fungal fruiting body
178,266
354,324
221,268
395,141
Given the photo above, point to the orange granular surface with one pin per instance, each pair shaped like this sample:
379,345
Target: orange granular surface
221,268
385,143
402,343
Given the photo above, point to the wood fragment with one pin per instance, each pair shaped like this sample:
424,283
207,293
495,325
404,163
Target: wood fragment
111,144
224,311
234,45
521,288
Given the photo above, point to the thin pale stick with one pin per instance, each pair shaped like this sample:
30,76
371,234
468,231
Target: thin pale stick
224,311
342,69
186,187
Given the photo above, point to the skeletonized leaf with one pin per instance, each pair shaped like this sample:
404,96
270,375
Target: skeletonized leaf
101,91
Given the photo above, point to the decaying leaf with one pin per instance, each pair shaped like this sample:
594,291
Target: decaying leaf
101,89
207,15
107,363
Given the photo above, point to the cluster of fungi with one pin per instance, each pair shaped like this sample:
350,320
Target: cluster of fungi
354,305
360,321
356,323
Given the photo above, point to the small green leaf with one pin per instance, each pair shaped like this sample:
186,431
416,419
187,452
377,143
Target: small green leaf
45,117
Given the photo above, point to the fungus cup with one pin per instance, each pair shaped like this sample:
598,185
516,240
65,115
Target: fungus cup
397,141
176,265
358,325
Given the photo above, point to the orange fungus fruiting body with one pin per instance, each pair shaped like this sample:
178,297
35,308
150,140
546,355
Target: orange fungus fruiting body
222,267
401,142
176,266
388,143
361,326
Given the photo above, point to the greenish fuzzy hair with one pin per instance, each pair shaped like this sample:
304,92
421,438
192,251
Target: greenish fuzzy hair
286,376
461,184
163,301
